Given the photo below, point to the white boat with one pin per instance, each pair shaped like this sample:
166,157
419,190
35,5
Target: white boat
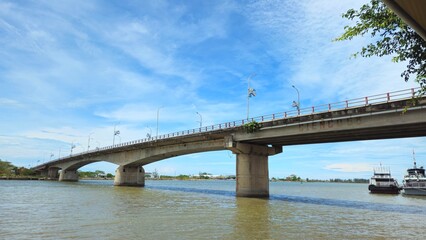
415,181
383,182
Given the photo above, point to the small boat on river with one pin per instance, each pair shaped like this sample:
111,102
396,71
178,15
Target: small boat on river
383,182
414,182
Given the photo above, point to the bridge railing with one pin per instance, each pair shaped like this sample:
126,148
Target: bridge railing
347,104
352,103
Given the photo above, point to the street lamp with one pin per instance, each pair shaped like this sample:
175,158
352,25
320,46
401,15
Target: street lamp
201,119
158,113
88,141
297,105
251,92
116,133
149,135
72,147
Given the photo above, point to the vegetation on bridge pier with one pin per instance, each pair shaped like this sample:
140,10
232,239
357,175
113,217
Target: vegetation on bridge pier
252,126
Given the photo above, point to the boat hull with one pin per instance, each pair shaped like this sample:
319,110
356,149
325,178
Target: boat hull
415,191
387,190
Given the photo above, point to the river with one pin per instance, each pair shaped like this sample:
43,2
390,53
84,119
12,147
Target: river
204,210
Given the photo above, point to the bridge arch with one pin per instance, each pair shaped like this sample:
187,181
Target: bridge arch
69,171
130,171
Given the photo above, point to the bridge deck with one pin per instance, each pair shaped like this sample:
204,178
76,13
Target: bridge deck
308,125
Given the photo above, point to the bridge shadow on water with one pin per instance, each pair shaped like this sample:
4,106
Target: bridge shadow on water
359,205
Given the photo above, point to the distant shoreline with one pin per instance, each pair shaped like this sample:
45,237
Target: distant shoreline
20,178
29,178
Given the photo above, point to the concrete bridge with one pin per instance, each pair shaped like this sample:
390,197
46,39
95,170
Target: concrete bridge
376,117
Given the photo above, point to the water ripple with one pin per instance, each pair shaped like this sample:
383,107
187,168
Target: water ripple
195,190
359,205
381,207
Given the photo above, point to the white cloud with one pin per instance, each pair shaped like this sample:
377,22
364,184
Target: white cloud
15,148
349,167
5,102
321,68
183,115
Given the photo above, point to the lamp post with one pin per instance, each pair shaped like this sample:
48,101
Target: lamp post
88,141
297,105
158,114
250,92
201,119
72,147
116,133
149,135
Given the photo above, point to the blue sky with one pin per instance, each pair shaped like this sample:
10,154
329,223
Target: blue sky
74,69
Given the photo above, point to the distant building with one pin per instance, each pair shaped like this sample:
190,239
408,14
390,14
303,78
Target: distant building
101,175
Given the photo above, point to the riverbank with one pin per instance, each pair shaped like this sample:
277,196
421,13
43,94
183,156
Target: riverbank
177,179
43,178
19,178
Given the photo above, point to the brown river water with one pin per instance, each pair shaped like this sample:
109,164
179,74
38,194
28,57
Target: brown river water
205,210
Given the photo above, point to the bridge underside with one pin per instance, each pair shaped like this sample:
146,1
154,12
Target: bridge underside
342,126
252,174
386,132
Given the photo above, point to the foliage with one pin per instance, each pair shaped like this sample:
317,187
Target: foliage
6,168
293,178
23,171
95,174
183,177
204,175
252,126
392,36
355,180
166,177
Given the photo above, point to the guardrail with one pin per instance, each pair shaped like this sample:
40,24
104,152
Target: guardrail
347,104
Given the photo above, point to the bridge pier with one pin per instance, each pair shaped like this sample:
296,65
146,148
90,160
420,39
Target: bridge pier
52,173
129,176
68,176
252,168
43,173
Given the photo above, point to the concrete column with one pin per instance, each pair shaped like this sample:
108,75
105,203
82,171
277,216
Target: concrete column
252,168
44,173
52,173
68,176
129,176
252,175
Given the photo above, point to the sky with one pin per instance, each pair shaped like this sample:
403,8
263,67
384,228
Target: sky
73,71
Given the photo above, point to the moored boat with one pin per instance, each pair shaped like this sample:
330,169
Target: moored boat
414,182
383,182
